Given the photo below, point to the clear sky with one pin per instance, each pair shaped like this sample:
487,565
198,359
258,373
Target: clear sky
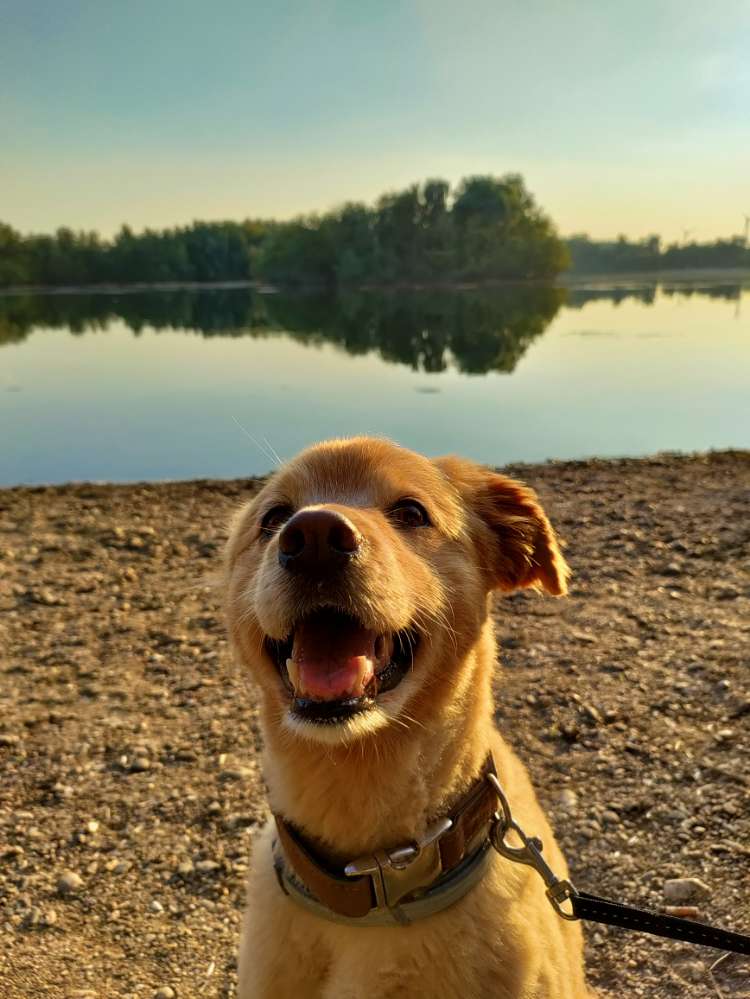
623,115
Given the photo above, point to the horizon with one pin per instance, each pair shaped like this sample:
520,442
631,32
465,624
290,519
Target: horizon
620,120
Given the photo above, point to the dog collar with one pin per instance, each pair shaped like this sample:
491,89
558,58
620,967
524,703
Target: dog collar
401,884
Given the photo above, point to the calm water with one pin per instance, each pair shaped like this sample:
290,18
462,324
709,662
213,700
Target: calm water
175,384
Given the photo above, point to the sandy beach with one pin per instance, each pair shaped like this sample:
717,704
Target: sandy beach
129,744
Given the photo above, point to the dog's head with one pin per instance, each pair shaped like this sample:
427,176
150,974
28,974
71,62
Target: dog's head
357,580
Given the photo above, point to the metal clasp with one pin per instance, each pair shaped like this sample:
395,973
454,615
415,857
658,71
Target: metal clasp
400,871
530,853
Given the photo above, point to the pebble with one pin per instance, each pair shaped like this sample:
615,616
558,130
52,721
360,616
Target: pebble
48,598
592,713
238,773
671,569
156,906
694,971
165,992
239,820
685,889
69,883
207,866
33,918
568,800
727,593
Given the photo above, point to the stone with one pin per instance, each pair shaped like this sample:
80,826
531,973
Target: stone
33,918
207,867
685,889
694,971
237,773
69,883
671,569
592,713
165,992
567,800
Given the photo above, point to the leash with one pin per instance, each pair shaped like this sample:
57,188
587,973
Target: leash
583,905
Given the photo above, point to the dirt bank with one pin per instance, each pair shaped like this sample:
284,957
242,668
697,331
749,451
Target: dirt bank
128,745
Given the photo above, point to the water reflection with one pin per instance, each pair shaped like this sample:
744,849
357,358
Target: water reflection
474,330
578,296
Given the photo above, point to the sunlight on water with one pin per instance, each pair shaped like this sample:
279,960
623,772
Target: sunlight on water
555,379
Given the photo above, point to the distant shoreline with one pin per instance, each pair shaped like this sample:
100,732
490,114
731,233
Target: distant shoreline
686,274
647,463
566,280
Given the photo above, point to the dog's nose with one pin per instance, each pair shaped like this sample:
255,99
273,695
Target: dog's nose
316,541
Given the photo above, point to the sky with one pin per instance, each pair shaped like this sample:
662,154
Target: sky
622,117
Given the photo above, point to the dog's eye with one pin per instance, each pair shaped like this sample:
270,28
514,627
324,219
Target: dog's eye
409,513
274,519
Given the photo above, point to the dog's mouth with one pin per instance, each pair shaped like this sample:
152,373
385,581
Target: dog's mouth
334,666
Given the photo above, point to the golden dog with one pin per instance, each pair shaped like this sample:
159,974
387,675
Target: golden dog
358,583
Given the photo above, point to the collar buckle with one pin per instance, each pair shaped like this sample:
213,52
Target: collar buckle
402,870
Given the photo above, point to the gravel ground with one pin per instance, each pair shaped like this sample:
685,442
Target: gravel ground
128,742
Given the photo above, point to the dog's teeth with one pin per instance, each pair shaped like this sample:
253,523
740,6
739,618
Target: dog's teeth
293,670
365,672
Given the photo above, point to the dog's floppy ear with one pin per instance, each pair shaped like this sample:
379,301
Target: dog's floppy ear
523,550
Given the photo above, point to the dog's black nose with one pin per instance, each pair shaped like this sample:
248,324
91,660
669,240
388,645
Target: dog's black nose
317,541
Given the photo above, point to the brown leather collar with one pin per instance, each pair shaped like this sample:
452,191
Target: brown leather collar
390,878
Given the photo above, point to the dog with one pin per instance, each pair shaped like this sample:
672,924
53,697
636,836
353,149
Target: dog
358,584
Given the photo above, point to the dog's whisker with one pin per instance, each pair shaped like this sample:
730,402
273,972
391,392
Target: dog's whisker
267,451
273,452
413,720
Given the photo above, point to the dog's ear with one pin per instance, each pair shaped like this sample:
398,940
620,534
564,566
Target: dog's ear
522,548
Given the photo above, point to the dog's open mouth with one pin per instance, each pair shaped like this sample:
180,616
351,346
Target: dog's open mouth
335,667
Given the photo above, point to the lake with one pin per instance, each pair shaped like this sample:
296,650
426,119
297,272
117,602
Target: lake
212,383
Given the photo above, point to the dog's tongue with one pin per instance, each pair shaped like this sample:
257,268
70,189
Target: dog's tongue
332,658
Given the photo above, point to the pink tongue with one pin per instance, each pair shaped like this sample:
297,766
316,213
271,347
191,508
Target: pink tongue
335,657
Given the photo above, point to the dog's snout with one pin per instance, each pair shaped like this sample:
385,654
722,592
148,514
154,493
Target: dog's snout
316,541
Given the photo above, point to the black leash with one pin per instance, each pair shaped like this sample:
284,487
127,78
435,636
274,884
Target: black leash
602,910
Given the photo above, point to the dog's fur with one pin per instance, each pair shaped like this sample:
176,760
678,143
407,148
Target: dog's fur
379,778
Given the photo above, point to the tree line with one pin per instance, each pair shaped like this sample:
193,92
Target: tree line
624,256
487,228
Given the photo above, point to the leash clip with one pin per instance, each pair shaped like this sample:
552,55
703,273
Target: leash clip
530,853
